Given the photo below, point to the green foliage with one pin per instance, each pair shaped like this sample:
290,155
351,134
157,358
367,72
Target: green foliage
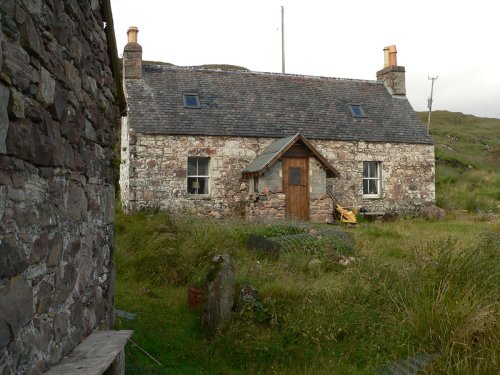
402,295
467,161
278,230
450,305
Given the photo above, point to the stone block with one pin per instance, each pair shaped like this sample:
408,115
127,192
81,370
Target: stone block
55,248
220,295
46,88
60,327
4,116
76,202
46,216
43,298
16,104
39,249
24,216
33,6
16,65
9,26
58,107
30,39
16,307
74,80
13,260
433,213
43,334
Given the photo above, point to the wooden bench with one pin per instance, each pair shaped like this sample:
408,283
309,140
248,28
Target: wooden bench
100,353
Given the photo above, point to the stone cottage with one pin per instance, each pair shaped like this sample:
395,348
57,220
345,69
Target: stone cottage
58,107
266,145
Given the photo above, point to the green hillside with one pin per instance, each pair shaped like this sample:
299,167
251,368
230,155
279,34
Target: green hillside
467,161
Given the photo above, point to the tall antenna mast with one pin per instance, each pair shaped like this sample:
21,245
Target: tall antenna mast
282,39
429,102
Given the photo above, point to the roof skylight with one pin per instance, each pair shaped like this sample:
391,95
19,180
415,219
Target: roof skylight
191,100
357,110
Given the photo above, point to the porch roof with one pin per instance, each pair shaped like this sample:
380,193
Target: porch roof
272,153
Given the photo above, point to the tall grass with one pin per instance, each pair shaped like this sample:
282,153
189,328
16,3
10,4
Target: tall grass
400,296
449,305
467,161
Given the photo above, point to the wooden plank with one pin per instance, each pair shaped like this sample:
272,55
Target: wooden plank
94,355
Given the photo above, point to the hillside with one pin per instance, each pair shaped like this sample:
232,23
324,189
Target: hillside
467,161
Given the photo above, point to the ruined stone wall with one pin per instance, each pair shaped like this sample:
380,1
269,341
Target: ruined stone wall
57,112
158,172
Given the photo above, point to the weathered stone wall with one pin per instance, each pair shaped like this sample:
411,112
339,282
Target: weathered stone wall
157,167
407,174
158,172
57,112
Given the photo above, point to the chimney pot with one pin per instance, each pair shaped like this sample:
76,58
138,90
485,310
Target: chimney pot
132,55
386,57
393,60
392,74
132,34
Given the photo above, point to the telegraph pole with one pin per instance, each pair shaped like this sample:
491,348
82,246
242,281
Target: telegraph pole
429,102
282,39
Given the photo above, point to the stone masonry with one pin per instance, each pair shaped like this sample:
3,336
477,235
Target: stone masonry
57,112
157,179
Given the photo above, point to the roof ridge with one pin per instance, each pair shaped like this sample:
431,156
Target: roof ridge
252,72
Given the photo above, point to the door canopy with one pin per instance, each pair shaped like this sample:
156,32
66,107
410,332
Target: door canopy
272,153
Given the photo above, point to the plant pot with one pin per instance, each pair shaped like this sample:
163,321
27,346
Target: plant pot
196,297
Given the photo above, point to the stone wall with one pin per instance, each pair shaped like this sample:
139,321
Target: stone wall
157,167
57,112
407,174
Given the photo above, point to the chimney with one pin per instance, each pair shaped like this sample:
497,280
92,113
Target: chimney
392,74
132,55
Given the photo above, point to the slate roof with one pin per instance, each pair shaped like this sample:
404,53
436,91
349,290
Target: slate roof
273,152
251,104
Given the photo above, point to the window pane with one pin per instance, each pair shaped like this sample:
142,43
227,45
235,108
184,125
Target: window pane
373,170
365,187
294,176
191,101
192,170
203,185
193,185
372,187
357,110
365,169
203,166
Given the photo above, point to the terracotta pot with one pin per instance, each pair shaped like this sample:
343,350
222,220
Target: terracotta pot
196,297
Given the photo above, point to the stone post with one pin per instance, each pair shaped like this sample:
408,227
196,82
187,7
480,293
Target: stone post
220,296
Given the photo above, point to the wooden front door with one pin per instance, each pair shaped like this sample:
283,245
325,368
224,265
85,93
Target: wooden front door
296,187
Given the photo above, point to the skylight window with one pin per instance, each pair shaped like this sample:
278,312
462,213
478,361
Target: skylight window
357,110
191,101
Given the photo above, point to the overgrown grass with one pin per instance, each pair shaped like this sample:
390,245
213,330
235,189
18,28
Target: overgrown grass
467,161
402,295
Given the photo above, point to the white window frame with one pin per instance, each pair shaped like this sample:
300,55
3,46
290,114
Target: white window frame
376,179
198,176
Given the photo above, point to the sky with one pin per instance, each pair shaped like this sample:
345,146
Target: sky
456,41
